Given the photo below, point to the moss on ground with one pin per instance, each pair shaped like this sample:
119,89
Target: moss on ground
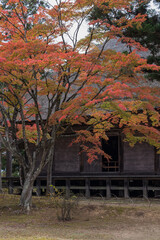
94,219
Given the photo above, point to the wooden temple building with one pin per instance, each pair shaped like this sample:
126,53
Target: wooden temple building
132,171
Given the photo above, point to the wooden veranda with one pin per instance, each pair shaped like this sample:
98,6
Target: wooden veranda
94,185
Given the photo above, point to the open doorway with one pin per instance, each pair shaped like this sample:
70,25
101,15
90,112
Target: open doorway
111,148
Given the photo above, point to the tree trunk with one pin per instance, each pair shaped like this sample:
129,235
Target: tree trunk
49,176
0,171
26,195
50,169
8,164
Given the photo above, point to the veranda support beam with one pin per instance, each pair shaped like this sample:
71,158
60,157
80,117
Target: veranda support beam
87,188
108,189
126,188
67,188
145,188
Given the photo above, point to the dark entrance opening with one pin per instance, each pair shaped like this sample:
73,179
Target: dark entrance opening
111,148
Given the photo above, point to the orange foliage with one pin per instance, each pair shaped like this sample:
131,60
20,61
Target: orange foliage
51,81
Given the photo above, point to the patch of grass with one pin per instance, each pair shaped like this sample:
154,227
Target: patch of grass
30,238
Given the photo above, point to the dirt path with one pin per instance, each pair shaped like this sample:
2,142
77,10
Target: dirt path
92,220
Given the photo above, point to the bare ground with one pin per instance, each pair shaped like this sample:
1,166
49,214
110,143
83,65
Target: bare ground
115,219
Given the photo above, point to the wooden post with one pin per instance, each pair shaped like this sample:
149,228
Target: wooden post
108,189
10,186
87,185
53,182
38,187
67,188
52,188
145,190
126,188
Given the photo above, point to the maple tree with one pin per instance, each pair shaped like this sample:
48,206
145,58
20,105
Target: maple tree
50,81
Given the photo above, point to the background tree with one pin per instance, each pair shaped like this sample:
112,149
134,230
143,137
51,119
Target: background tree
32,6
51,84
148,35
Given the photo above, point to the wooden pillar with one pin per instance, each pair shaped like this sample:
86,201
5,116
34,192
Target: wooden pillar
10,186
108,189
8,164
67,188
145,188
87,186
53,182
38,187
126,188
54,185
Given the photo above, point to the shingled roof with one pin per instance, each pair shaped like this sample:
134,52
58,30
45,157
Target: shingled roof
118,46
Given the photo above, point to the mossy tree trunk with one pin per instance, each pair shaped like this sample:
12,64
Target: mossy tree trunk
0,171
26,195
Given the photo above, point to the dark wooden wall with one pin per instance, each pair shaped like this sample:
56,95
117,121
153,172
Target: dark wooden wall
94,167
138,159
67,158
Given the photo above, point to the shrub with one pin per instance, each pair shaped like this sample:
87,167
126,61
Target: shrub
64,206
